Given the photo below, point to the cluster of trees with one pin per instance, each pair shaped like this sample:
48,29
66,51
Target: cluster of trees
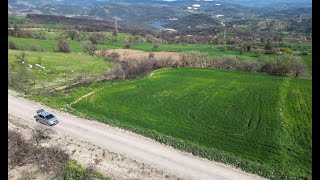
16,31
132,68
285,65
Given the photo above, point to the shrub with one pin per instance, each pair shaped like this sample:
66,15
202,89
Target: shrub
304,53
89,47
18,149
21,57
149,38
21,152
283,65
155,46
248,66
63,45
286,50
72,33
72,170
113,55
39,134
229,63
13,45
298,68
34,48
40,36
259,52
268,46
96,38
151,55
127,46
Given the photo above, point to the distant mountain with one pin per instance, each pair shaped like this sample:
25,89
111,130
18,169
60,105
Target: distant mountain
288,13
177,14
194,21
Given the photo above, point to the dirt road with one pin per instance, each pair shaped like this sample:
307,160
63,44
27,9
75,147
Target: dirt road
134,146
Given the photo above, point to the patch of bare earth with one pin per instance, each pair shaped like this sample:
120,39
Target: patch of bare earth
110,164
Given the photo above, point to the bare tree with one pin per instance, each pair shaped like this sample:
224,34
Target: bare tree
72,33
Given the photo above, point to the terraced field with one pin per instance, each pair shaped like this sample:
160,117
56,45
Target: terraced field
260,123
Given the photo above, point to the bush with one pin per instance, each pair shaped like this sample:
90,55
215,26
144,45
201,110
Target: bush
39,134
259,52
298,68
286,50
34,48
96,38
18,149
13,45
229,63
283,65
248,66
149,38
89,47
151,55
127,46
304,53
63,45
40,36
155,47
21,152
72,170
72,33
113,55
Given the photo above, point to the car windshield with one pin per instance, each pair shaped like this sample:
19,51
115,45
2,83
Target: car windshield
49,116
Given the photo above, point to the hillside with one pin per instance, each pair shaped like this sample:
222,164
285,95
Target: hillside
197,89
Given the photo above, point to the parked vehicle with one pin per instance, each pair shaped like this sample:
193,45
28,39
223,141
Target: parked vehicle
46,118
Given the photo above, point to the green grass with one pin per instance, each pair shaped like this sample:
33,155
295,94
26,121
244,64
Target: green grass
60,64
73,170
212,50
46,45
308,60
249,120
76,46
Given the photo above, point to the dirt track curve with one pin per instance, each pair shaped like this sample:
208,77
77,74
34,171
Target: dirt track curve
134,146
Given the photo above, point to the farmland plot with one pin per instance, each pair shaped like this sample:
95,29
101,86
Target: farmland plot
257,122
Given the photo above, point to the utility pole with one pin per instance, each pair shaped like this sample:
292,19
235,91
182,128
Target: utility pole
224,36
115,18
161,35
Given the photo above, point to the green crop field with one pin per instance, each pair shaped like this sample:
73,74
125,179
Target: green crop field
259,123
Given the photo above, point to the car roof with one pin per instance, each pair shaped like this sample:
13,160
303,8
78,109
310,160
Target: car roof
44,113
